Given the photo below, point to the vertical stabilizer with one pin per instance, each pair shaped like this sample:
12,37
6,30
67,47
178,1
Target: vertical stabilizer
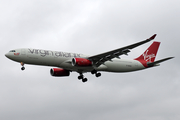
150,54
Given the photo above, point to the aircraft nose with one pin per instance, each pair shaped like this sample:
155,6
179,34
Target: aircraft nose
7,55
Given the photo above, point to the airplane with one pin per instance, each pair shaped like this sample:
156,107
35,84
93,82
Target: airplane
65,62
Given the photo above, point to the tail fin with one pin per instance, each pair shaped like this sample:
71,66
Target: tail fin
150,54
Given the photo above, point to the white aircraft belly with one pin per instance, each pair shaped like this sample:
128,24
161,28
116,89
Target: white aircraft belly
123,65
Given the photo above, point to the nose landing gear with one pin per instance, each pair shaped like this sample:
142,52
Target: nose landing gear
22,68
22,64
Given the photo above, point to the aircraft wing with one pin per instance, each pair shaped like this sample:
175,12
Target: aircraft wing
107,56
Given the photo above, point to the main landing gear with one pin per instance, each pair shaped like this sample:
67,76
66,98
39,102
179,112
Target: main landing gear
97,74
81,76
22,64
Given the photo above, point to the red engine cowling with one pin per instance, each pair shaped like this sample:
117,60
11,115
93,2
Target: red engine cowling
82,62
59,72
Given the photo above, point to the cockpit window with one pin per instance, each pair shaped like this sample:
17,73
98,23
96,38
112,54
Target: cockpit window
12,51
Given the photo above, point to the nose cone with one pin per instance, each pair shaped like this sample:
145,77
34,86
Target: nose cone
7,55
12,56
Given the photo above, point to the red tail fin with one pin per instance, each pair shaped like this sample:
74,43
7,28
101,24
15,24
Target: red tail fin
150,54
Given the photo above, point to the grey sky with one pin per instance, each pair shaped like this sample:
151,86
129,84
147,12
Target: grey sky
89,27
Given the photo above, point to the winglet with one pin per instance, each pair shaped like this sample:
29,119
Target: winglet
152,37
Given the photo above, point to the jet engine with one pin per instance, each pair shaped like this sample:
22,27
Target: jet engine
58,72
82,62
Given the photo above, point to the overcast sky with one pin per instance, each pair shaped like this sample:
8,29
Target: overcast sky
89,27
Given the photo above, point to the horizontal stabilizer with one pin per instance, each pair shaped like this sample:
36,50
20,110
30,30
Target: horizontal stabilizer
159,61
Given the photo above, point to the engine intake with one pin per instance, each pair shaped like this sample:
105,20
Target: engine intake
82,62
58,72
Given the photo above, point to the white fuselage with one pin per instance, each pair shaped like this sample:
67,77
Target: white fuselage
64,60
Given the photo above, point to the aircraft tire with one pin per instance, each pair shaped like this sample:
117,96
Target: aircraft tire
93,72
98,74
23,68
84,80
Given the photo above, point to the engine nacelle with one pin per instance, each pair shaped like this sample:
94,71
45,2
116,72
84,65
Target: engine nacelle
59,72
82,62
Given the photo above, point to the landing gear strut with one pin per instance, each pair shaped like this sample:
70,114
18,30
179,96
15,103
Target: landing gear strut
81,76
22,64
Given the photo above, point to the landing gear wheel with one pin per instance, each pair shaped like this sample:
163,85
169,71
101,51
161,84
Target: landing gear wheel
80,77
23,68
98,74
84,80
93,72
